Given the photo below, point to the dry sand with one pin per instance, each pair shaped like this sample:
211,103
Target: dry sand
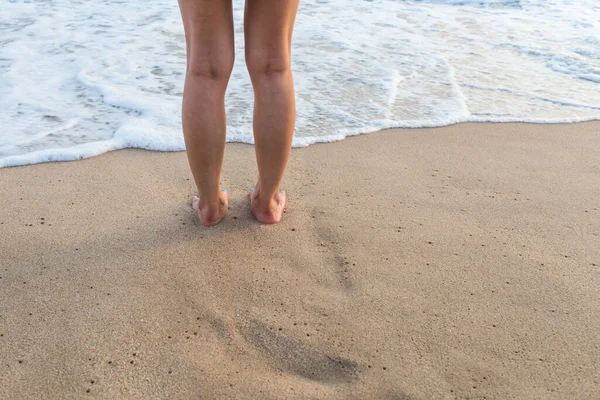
460,262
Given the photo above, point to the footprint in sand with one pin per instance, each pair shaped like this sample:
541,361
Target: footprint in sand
292,355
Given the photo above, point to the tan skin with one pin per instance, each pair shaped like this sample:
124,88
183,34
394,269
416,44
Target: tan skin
268,26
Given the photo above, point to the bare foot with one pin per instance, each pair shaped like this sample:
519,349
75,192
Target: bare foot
211,215
267,212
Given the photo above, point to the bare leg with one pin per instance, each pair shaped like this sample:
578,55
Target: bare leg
268,32
210,54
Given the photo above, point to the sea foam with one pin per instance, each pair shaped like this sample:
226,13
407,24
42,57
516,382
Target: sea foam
79,78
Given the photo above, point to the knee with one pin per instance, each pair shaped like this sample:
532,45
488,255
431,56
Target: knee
264,63
217,68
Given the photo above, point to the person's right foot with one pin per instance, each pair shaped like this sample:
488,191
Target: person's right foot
267,211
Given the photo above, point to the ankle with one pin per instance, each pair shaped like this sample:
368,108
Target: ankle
267,203
213,204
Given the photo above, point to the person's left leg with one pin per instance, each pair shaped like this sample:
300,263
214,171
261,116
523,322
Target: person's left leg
210,54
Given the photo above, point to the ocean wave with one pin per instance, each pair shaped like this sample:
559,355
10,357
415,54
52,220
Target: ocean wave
79,81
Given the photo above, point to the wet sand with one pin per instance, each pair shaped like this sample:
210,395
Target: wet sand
451,263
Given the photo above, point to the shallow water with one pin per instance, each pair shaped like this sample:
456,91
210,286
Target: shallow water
78,78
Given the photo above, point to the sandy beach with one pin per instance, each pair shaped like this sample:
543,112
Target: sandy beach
452,263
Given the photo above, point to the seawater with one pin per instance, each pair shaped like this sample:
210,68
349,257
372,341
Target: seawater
79,78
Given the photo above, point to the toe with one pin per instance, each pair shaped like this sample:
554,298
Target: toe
195,202
226,197
282,199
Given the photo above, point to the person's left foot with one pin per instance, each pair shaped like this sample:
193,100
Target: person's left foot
211,215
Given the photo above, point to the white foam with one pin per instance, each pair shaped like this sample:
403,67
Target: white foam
80,78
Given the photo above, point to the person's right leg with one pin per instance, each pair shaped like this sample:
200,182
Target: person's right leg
268,26
210,53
